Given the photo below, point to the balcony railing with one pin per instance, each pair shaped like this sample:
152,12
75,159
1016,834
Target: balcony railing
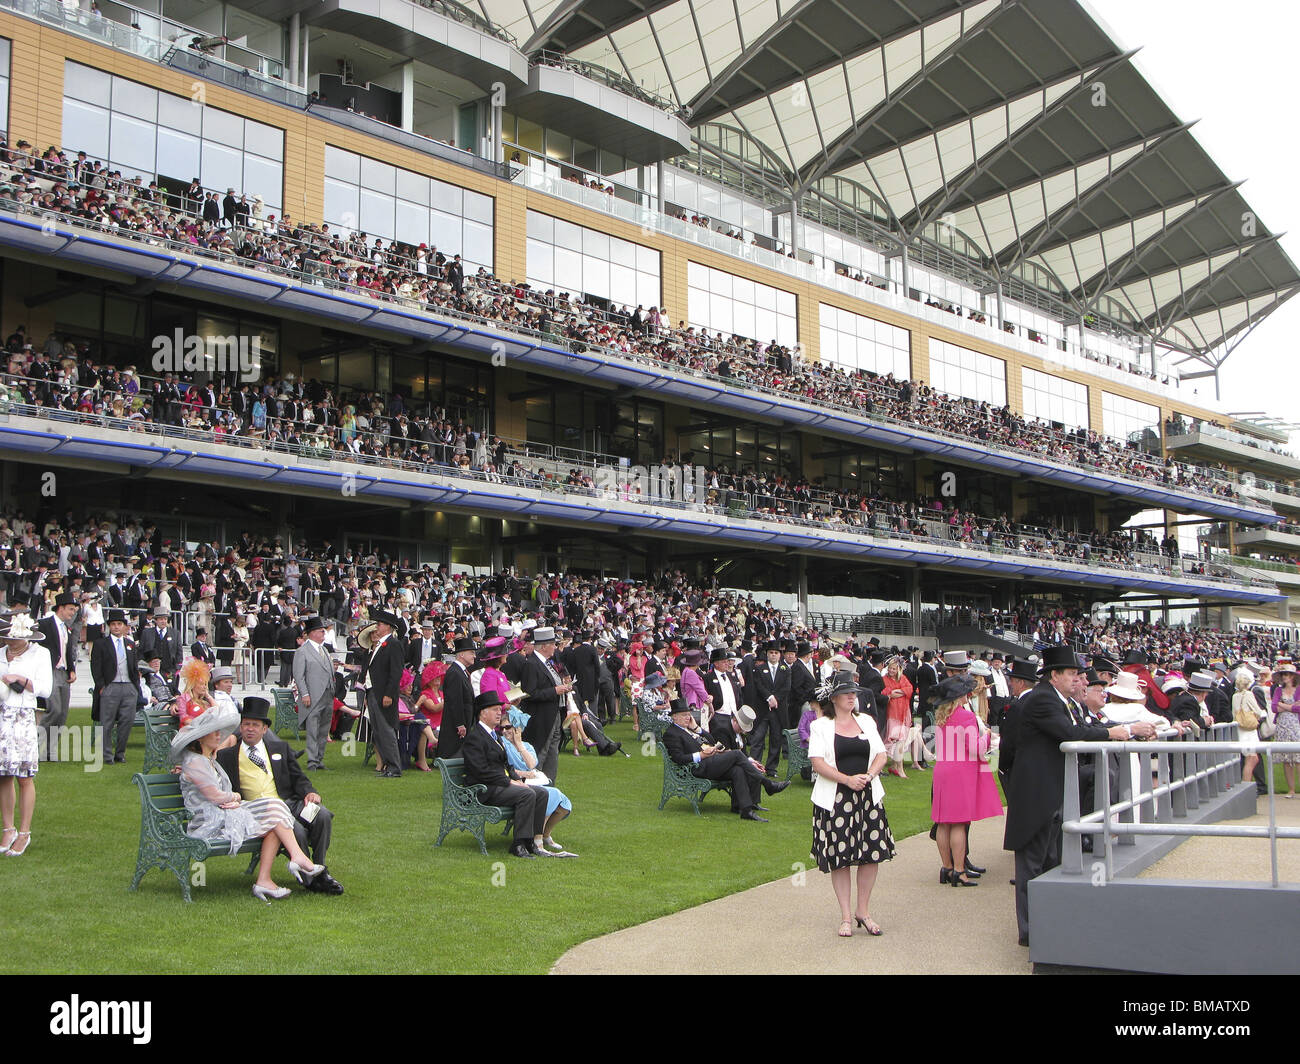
609,78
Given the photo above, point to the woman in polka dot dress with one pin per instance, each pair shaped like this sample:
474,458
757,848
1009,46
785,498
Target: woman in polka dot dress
850,829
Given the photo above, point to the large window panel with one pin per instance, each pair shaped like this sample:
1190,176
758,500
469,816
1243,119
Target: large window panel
1131,420
132,143
86,83
223,167
342,165
855,341
571,258
264,140
224,128
378,177
960,371
377,214
178,154
1052,398
722,302
86,126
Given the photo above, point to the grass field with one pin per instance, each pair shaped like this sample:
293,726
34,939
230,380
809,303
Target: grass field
408,906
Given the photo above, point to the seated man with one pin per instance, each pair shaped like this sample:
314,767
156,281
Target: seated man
155,683
261,765
685,744
486,763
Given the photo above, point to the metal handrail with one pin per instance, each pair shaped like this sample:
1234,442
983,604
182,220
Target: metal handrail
607,77
1214,768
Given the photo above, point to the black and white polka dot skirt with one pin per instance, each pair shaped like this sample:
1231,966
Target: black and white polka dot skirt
855,832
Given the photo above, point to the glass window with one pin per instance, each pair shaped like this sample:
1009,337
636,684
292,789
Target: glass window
571,258
858,342
1128,419
959,371
721,302
1055,399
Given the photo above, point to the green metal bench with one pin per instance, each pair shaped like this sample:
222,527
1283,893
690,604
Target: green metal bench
163,842
286,712
160,726
797,759
462,804
680,782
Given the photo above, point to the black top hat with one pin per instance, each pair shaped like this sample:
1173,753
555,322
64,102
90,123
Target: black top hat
788,645
802,649
1137,657
255,707
679,705
485,700
1101,663
1023,670
115,615
1059,658
313,624
771,645
65,599
1094,679
720,654
391,619
463,644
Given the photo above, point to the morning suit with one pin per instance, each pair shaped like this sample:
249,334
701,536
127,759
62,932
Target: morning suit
486,763
730,765
545,708
204,652
457,710
313,676
164,644
1033,827
292,785
115,678
63,658
769,681
383,675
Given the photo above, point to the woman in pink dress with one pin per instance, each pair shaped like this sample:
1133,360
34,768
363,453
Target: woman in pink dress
964,790
491,678
429,705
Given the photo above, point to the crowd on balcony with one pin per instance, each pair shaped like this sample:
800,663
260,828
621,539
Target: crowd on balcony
420,276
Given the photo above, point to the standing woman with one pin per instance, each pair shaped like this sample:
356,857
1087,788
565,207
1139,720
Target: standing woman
898,691
1286,707
964,790
849,825
1247,714
26,674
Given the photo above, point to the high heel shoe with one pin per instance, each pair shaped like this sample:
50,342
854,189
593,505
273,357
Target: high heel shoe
869,925
23,836
13,837
957,880
304,874
944,874
267,893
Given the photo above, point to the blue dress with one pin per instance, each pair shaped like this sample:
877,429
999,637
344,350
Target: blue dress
555,798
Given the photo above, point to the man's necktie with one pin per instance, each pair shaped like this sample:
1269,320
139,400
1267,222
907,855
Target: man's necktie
254,757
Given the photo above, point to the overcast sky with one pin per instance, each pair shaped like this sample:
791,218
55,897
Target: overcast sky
1234,67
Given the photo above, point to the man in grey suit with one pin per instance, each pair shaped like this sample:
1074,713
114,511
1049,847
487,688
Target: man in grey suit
313,676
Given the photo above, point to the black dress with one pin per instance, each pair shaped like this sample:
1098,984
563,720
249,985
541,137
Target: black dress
855,831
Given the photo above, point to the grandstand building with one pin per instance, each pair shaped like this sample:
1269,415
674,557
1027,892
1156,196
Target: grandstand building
988,199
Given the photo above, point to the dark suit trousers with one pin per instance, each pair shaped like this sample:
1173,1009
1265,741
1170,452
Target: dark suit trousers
313,838
1040,854
734,766
383,726
529,804
767,728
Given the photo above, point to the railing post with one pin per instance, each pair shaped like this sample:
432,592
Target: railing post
1071,844
1205,763
1163,810
1103,801
1178,800
1192,792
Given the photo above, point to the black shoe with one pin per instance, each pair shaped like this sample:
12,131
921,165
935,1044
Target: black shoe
520,850
325,884
762,809
122,761
749,814
390,774
1023,941
775,786
975,868
944,874
317,768
957,879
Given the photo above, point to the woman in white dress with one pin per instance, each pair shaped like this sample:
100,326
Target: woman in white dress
218,813
26,674
1246,712
239,636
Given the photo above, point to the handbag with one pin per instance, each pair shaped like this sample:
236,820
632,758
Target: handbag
1267,726
1245,720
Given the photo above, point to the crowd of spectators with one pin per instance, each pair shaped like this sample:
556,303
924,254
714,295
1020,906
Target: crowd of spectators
90,193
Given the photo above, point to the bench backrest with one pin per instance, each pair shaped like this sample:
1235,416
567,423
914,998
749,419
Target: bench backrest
453,771
160,792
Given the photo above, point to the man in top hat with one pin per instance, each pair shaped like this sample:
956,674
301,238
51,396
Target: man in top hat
457,699
686,745
768,699
927,675
261,765
1219,698
161,639
871,678
313,678
382,677
722,684
1137,663
1047,716
201,648
426,648
583,664
114,671
999,689
486,763
57,630
546,693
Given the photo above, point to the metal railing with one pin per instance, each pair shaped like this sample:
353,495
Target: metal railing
604,76
1188,771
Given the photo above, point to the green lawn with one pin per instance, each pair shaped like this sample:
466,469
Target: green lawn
409,907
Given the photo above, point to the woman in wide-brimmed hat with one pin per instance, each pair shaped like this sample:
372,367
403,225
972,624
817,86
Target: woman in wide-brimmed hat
850,829
964,790
217,813
26,674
